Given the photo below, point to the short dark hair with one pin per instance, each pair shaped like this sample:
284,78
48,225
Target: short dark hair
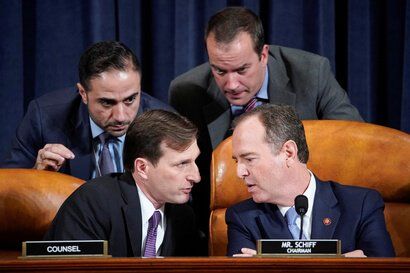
150,129
105,56
281,124
229,22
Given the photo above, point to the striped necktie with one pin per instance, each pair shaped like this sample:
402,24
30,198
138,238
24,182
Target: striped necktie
254,102
105,163
150,243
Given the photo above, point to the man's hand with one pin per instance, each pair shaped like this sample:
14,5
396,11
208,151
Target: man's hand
355,254
52,157
246,252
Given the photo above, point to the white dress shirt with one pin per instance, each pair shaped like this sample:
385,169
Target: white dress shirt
147,210
307,219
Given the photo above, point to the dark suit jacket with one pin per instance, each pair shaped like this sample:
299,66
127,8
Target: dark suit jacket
297,78
356,215
61,117
108,208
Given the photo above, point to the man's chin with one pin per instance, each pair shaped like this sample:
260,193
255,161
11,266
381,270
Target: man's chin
182,200
117,133
237,101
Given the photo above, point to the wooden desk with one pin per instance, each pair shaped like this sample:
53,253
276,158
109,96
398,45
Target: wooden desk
212,264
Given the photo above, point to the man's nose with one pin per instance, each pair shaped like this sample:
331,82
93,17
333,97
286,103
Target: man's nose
119,113
194,175
241,171
232,82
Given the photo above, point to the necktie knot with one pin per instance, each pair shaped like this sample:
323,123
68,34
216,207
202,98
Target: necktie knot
150,244
155,218
105,138
291,216
251,104
254,102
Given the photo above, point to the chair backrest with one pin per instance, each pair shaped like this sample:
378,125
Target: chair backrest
29,200
348,152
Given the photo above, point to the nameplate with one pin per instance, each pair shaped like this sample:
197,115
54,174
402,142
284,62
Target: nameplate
50,249
298,247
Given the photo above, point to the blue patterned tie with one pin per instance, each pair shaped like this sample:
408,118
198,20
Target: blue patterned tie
150,243
247,107
105,162
291,217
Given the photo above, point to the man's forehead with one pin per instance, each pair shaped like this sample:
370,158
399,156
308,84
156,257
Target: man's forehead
248,131
166,147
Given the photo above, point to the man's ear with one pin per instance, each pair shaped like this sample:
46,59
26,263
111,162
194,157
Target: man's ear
141,167
290,150
82,92
264,54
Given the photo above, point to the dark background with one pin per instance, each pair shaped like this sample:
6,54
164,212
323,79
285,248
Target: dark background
367,42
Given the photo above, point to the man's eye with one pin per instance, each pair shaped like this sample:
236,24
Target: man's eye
105,103
219,72
182,164
241,70
130,100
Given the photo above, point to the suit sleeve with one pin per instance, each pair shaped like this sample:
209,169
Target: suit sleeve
333,101
238,235
373,237
81,217
27,140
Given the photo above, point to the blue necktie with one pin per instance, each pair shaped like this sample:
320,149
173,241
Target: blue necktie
247,107
291,217
105,162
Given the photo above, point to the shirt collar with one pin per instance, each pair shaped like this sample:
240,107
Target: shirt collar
96,131
147,208
263,92
309,193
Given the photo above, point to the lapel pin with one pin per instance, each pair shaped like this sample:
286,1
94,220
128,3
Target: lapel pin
327,221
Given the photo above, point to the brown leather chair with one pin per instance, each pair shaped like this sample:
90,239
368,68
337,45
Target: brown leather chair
29,200
349,152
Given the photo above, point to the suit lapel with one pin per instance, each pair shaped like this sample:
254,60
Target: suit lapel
272,224
81,144
132,213
326,212
217,114
279,87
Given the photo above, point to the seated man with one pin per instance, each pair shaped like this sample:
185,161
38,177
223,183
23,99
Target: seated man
144,207
67,130
270,148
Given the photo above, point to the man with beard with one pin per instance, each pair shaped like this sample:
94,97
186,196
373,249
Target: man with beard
82,133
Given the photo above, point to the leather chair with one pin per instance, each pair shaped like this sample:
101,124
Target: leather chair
348,152
29,200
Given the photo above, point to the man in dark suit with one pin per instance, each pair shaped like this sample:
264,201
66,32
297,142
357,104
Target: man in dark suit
270,148
60,130
242,67
159,158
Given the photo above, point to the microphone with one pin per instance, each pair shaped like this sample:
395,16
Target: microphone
301,207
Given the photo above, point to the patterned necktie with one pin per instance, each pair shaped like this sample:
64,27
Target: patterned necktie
247,107
251,104
105,162
150,249
291,217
